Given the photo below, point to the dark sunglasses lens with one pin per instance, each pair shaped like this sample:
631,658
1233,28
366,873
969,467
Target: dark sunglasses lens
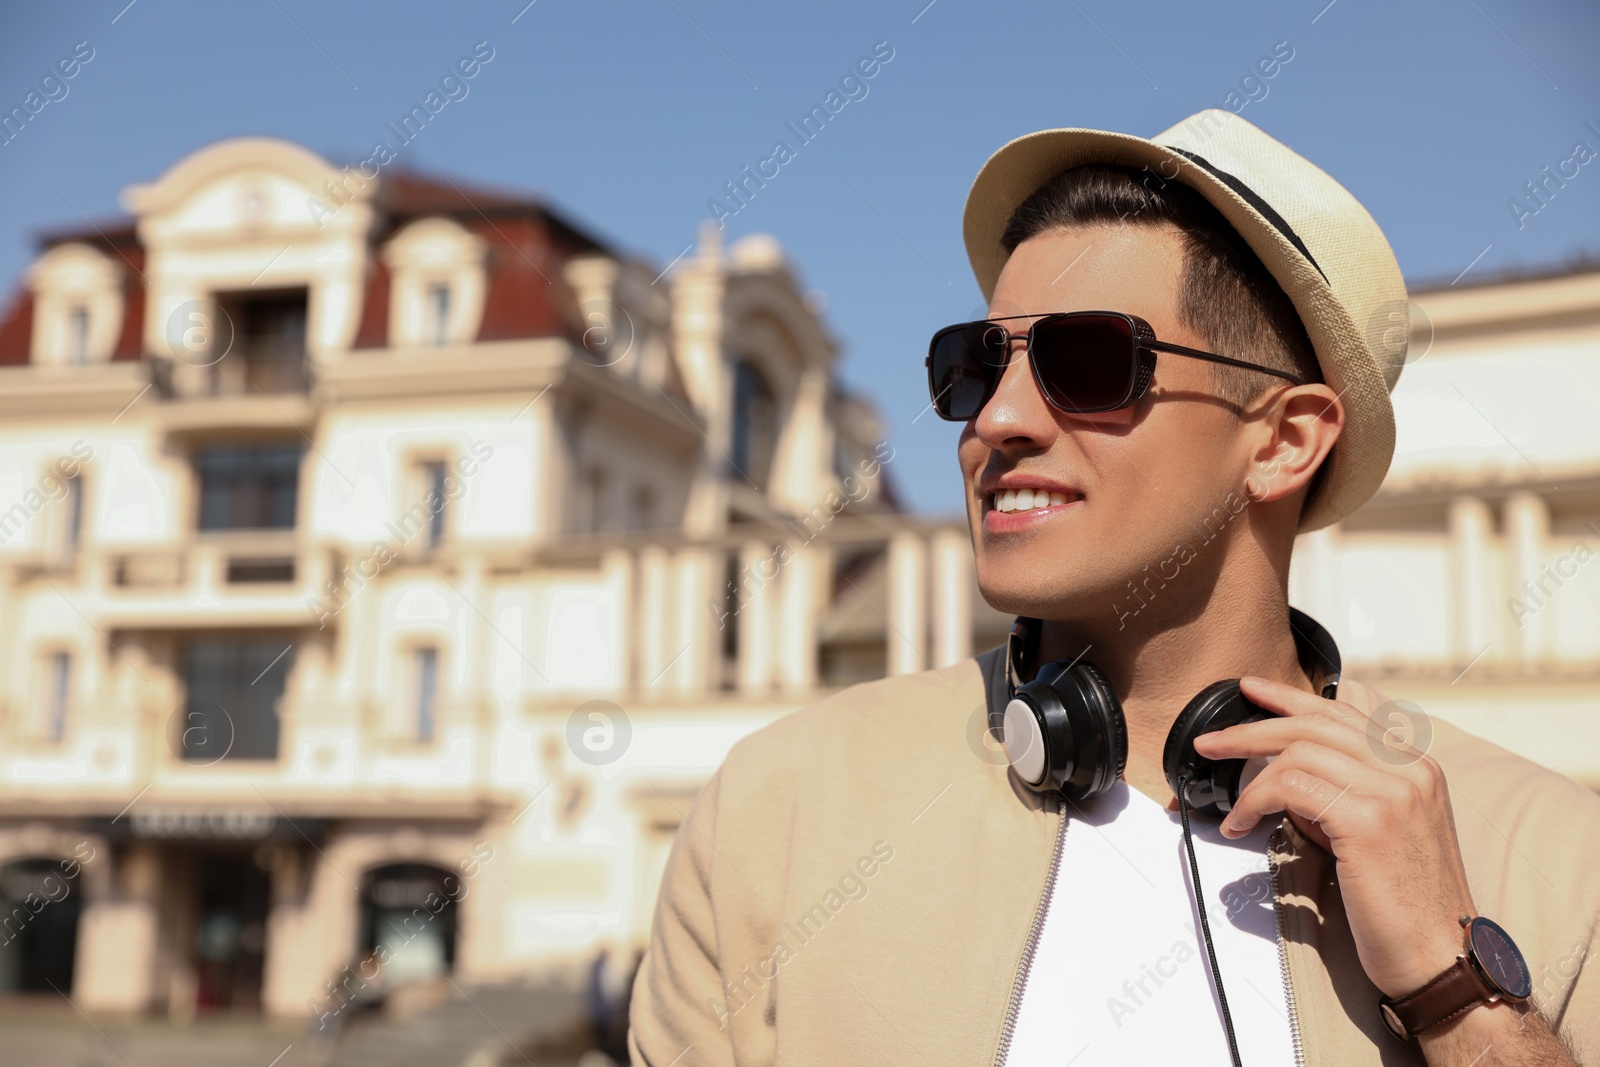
965,364
1084,362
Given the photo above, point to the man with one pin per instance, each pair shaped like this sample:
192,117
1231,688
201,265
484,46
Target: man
866,882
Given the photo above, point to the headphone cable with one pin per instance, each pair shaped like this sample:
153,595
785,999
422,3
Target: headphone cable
1205,925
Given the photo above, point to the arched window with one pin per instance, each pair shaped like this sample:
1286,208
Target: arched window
408,920
755,425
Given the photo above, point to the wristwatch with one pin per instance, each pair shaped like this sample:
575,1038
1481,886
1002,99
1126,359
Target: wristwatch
1491,969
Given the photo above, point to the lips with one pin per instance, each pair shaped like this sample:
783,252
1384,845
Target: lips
1013,503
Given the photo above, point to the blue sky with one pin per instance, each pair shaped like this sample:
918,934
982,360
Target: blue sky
631,116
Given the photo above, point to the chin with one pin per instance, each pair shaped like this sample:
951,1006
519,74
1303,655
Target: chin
1010,591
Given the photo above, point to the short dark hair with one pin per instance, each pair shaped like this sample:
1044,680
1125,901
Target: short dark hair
1226,295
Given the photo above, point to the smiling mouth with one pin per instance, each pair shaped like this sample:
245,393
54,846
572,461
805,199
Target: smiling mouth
1009,501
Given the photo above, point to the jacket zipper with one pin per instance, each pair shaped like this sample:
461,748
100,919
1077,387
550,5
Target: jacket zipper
1020,982
1283,949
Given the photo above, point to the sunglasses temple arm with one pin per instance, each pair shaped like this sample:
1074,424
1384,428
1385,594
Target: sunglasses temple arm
1212,357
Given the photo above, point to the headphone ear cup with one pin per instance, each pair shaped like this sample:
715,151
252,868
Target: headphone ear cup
1074,718
1213,785
1106,721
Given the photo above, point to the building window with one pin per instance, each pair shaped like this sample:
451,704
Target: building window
58,677
439,313
266,338
248,487
71,514
595,491
232,689
755,425
429,512
433,475
644,507
425,675
78,335
437,282
732,602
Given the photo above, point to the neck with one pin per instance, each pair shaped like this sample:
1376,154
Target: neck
1239,625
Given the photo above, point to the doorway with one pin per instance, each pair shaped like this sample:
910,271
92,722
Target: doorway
38,926
409,919
230,933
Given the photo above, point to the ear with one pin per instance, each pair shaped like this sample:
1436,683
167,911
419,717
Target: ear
1300,427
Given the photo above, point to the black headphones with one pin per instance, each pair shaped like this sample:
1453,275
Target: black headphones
1064,731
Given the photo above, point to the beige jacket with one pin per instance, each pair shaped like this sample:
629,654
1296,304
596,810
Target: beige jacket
860,881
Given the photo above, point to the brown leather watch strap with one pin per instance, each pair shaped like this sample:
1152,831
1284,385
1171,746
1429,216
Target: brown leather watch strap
1455,990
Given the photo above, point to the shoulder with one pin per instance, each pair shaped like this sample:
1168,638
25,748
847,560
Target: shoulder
1528,798
874,727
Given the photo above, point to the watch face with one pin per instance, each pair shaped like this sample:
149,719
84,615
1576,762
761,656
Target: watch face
1500,961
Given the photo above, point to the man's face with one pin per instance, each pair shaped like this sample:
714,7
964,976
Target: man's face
1136,483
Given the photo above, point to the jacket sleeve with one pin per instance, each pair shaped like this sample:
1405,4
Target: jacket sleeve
676,1016
1578,1021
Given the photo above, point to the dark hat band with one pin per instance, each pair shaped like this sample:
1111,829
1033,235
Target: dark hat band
1267,211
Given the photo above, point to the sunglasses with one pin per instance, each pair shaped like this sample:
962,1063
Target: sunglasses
1083,361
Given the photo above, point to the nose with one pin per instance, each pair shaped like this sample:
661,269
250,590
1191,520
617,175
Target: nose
1017,417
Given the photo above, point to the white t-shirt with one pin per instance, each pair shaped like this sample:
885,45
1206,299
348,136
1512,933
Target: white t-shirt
1119,974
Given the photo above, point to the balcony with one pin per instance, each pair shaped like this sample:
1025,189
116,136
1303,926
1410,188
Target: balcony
221,578
335,756
259,365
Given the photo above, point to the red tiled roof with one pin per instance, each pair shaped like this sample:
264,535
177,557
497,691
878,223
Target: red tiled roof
16,328
131,344
527,297
406,195
374,329
528,245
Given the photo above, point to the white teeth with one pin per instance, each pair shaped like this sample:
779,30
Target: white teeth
1007,500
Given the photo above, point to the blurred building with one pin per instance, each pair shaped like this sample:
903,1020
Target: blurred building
1468,589
384,565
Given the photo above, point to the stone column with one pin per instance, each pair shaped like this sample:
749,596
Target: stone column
1528,529
697,604
118,948
757,574
908,600
650,618
1471,615
617,563
797,628
698,286
952,597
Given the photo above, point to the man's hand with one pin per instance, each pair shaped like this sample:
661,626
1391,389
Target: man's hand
1383,813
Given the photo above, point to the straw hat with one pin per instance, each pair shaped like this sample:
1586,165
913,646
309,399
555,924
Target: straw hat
1313,236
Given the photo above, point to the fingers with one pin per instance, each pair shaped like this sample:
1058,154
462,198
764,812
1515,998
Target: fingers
1287,700
1322,786
1271,736
1306,716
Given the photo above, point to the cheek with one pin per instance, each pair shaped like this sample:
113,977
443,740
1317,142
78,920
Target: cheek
1191,458
970,455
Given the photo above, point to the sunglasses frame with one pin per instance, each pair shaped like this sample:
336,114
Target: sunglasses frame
1141,368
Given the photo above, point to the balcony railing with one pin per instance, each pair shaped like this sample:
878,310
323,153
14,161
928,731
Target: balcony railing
256,365
251,367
